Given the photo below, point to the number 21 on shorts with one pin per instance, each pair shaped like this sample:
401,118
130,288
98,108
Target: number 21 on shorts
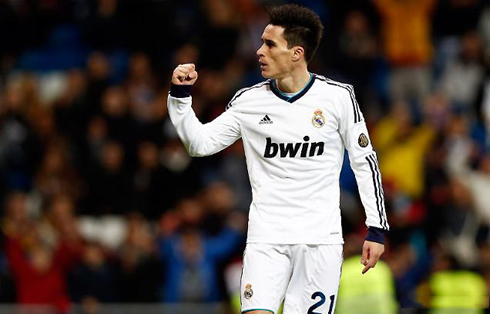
320,302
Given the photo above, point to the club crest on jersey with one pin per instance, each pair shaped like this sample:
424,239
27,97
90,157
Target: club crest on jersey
363,140
318,119
248,293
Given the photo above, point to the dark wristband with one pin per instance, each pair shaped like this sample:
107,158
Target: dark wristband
376,235
180,91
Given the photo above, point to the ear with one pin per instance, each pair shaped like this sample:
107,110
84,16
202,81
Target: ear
298,53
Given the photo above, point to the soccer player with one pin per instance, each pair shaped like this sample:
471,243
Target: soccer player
295,127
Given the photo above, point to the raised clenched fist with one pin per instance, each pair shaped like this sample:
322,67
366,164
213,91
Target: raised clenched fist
184,74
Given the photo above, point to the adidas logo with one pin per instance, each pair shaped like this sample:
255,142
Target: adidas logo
266,120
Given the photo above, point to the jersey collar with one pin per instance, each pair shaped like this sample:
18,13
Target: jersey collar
298,95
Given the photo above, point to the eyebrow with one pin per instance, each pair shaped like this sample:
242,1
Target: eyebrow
268,41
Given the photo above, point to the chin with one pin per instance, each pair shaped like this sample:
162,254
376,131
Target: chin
267,75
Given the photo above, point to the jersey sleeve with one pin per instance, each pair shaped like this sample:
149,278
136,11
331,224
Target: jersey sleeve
201,139
364,163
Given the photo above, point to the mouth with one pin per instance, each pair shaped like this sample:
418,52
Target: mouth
263,65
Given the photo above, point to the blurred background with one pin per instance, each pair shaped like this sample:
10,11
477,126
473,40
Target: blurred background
102,210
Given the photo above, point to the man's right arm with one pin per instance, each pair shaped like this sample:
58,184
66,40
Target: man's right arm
199,139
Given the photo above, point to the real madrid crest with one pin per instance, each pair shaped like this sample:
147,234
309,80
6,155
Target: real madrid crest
318,119
248,293
363,140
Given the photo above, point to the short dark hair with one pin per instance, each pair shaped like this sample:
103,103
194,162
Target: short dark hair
302,26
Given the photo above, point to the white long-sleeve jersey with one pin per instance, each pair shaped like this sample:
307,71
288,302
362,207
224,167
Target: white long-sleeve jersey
294,147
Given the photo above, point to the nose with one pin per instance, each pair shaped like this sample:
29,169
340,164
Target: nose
259,51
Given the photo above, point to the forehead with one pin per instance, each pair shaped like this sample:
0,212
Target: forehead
273,32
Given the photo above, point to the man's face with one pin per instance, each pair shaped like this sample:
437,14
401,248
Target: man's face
274,56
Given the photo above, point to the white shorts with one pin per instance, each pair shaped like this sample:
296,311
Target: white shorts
306,277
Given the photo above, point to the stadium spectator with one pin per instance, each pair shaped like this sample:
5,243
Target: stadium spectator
178,167
56,174
406,30
38,271
148,181
357,55
93,277
20,149
109,191
69,109
139,272
191,258
402,147
453,288
58,222
463,76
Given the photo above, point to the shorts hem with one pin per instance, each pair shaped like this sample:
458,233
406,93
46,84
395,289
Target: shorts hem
246,311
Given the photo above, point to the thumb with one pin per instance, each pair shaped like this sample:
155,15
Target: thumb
192,75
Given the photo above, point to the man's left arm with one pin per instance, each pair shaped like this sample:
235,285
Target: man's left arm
364,163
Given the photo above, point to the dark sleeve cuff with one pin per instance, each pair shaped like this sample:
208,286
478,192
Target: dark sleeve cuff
180,91
376,235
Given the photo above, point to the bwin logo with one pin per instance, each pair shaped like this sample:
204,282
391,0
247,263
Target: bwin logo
292,149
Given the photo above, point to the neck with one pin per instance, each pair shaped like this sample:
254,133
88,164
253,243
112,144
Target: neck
294,82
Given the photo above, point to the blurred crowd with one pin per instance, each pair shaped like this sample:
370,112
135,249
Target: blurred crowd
101,203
